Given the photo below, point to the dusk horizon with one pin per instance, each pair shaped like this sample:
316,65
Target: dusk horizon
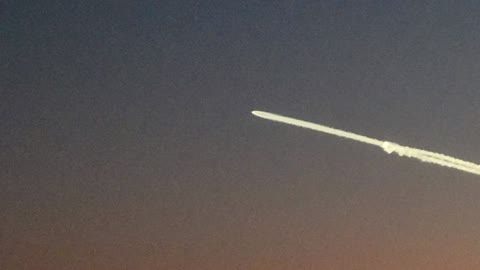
128,141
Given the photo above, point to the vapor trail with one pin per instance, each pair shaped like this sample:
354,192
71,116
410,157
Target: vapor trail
389,147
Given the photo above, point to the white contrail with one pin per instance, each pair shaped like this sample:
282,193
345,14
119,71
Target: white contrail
389,147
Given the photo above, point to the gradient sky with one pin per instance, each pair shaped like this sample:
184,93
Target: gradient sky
127,140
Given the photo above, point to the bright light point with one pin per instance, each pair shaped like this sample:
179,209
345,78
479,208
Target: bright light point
260,114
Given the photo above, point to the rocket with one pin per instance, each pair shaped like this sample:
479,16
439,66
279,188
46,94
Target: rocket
389,147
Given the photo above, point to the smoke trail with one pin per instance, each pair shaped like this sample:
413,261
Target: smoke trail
389,147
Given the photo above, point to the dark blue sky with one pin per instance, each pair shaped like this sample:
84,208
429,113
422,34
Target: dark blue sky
127,141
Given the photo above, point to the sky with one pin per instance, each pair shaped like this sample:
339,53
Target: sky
127,139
